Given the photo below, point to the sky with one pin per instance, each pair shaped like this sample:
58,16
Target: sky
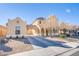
67,12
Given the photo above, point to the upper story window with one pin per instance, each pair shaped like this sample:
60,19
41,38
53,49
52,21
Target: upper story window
39,22
17,21
40,19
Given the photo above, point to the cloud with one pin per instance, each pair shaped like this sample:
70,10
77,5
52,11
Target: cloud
68,10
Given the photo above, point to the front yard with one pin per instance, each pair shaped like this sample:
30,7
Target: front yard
13,47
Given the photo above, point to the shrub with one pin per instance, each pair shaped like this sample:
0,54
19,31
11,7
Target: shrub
62,36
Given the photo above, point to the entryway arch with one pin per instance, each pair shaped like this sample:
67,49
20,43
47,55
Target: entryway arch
42,31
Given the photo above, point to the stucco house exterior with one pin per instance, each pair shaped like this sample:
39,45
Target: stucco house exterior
16,27
40,27
46,26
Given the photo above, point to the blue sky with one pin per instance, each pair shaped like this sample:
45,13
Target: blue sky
28,12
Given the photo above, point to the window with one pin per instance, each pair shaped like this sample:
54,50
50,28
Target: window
17,21
17,30
17,27
39,22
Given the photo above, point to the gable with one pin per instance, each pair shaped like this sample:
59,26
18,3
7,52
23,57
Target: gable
17,20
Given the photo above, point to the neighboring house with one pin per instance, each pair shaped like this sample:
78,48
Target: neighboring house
3,31
68,29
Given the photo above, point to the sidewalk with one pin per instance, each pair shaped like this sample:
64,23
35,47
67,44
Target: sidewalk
68,41
72,52
44,52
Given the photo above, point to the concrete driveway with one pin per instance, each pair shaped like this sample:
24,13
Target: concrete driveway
42,42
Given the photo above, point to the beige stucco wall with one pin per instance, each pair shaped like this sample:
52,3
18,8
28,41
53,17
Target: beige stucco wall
32,30
36,28
16,22
44,25
53,22
47,24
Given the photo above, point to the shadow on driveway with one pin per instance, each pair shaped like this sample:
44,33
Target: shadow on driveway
42,42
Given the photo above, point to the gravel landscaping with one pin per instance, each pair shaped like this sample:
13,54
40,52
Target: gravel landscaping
13,47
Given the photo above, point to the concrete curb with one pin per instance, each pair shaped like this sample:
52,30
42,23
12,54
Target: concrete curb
65,52
69,53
